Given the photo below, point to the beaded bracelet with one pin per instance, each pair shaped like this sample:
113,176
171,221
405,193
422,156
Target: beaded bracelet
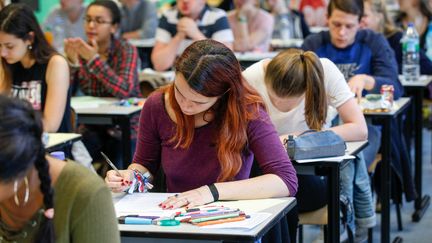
140,183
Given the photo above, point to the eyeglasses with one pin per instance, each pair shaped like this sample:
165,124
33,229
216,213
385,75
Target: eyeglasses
97,21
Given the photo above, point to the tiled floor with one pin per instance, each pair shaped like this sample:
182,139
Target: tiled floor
420,232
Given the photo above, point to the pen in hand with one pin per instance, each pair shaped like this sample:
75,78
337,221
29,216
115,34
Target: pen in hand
111,164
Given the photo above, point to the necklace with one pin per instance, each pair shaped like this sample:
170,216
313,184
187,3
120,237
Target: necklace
11,235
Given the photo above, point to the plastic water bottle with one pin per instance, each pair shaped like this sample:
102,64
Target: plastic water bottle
285,28
59,34
429,42
410,54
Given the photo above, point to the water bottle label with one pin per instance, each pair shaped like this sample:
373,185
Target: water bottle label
411,46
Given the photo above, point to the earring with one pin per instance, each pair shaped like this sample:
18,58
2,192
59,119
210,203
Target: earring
27,192
30,47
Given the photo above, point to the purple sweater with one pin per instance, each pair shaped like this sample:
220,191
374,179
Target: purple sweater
187,169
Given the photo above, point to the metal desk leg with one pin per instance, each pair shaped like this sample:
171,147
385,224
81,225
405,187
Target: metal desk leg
126,141
421,203
385,180
333,205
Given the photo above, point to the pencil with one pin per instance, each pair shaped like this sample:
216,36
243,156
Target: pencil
216,217
221,221
111,163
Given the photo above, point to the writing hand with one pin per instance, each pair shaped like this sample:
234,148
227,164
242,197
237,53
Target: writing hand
192,198
357,84
119,183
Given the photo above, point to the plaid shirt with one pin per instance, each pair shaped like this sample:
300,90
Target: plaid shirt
115,77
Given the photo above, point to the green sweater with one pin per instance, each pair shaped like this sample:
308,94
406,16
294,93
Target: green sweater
83,207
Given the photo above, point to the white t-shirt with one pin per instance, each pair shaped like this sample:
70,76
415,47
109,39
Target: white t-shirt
335,84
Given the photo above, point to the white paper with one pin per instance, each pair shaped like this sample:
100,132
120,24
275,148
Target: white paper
249,223
145,204
87,102
251,206
331,159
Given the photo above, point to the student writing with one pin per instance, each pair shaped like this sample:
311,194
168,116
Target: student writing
211,122
33,70
301,91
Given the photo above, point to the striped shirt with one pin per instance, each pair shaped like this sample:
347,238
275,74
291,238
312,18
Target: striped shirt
212,22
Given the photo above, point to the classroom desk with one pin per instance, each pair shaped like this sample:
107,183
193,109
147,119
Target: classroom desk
248,58
156,79
102,111
286,43
144,47
56,141
331,170
317,29
385,119
144,43
416,90
185,232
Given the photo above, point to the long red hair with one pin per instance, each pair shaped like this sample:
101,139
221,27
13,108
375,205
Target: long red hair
212,70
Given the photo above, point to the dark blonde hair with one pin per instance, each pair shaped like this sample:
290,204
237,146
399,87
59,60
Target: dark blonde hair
212,70
424,7
293,73
379,6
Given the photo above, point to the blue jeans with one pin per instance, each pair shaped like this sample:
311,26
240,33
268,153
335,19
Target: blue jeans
355,185
374,139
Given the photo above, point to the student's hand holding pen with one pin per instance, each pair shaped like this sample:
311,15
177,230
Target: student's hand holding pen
119,182
192,198
359,82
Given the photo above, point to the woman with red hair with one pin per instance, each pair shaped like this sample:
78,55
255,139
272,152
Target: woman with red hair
204,130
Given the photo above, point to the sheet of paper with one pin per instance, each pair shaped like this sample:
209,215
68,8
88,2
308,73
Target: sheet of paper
250,206
335,159
144,204
254,220
86,102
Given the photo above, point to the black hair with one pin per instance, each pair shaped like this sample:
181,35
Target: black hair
111,6
19,20
354,7
21,148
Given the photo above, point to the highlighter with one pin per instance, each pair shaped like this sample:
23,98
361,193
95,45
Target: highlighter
167,222
135,220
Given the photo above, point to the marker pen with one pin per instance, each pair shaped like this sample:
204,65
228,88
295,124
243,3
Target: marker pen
135,220
167,222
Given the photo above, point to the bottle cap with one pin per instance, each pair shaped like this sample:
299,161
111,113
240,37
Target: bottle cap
58,155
